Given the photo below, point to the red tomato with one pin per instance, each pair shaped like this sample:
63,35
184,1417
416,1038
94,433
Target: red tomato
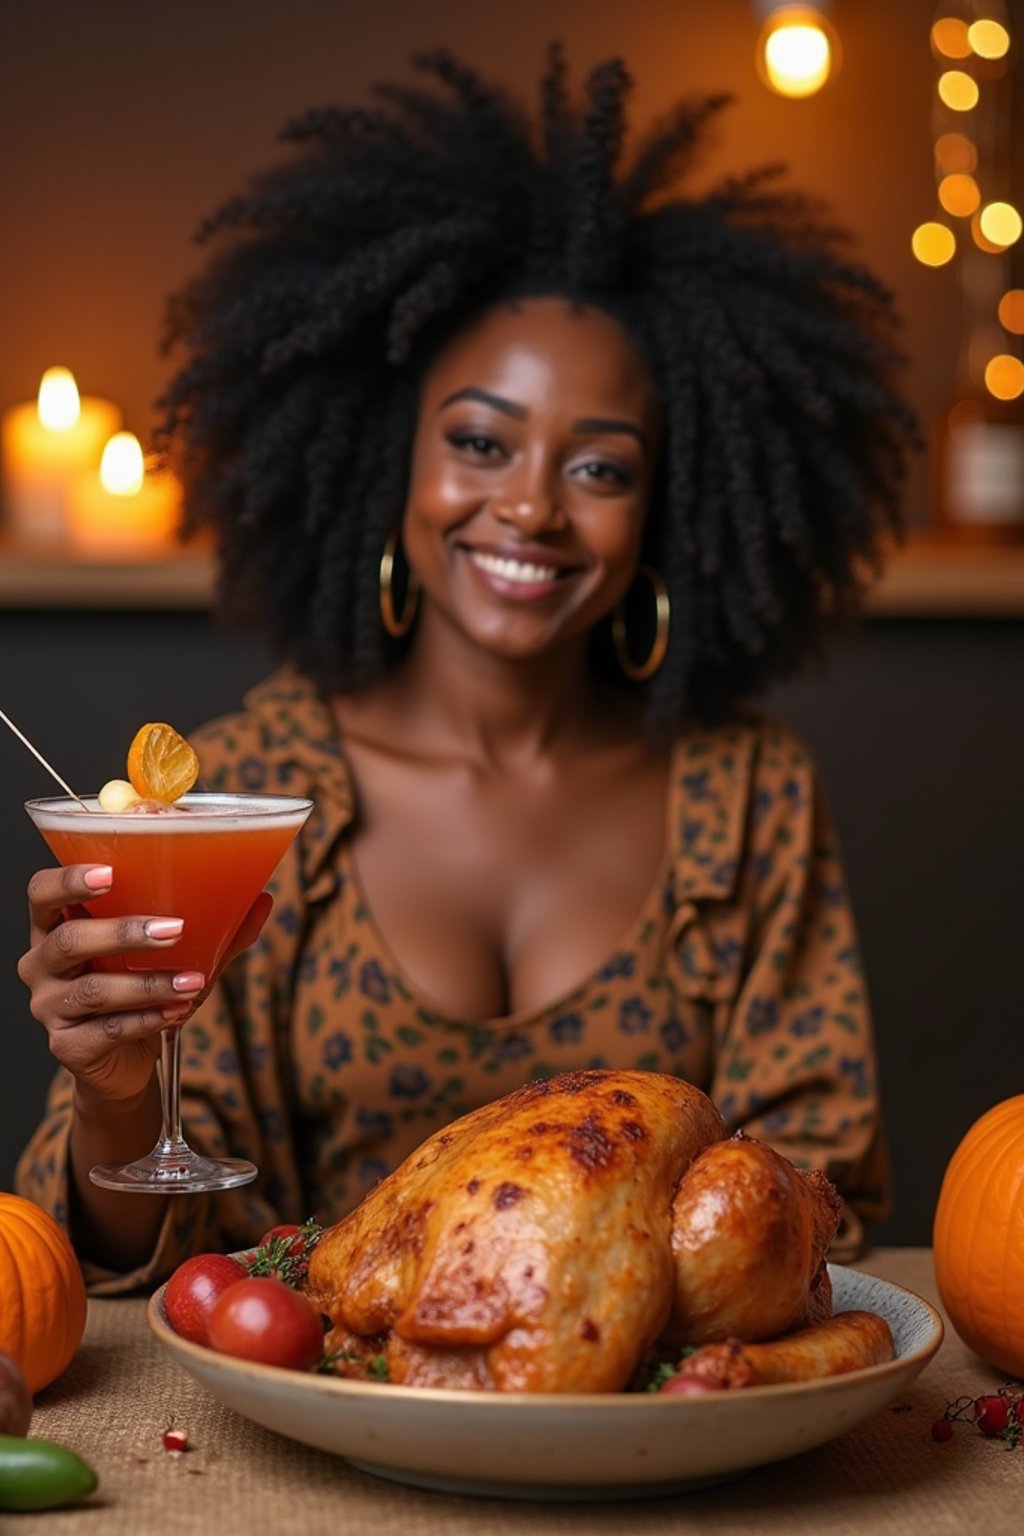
286,1229
683,1385
194,1289
263,1319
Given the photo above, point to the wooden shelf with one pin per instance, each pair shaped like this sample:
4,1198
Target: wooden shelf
927,578
34,577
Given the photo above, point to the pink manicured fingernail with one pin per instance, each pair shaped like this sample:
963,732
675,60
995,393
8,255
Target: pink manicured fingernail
100,878
188,981
164,927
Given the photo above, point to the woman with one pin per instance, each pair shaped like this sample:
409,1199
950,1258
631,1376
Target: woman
535,471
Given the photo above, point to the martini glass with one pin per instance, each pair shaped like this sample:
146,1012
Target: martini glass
205,861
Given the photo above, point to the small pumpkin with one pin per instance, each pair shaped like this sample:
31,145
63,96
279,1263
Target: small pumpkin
979,1237
42,1293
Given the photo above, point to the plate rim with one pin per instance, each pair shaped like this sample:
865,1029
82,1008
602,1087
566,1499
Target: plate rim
590,1402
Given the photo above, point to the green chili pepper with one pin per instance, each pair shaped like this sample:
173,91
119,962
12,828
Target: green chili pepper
36,1474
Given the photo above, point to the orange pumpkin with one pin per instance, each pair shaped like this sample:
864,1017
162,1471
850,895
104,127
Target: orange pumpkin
42,1294
979,1237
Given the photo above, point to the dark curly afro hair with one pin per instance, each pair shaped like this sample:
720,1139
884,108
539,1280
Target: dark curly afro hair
336,277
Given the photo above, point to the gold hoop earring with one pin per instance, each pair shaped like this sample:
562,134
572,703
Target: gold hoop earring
639,671
396,624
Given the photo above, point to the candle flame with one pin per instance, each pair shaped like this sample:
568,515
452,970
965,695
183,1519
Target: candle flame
122,467
59,405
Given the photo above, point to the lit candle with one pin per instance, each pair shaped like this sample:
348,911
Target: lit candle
47,444
123,512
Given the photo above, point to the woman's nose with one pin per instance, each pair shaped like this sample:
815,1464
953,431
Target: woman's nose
530,506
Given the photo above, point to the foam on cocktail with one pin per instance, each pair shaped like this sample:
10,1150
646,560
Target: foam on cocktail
190,814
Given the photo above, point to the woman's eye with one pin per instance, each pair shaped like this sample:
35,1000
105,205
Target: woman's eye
477,444
603,473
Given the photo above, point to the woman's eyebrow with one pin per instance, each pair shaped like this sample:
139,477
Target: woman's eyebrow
499,403
597,424
586,424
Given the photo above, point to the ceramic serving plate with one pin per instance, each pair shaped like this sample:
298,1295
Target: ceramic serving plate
602,1446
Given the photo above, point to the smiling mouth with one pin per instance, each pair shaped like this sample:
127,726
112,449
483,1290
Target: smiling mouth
526,573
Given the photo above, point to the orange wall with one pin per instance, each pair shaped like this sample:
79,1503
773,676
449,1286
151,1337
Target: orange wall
122,124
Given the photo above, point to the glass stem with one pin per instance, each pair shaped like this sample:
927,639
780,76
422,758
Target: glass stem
170,1091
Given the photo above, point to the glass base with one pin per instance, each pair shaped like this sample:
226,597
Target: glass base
174,1169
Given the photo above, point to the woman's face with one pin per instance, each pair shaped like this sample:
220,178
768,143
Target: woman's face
531,474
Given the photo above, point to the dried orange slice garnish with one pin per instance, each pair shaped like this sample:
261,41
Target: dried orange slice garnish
161,764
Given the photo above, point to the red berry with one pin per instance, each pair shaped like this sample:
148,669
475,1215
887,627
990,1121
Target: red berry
992,1414
942,1429
175,1439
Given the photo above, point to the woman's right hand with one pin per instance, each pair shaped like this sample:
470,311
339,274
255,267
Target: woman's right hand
103,1025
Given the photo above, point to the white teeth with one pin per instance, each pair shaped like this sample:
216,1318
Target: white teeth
513,570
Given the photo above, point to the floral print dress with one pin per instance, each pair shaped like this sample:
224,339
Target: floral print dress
316,1057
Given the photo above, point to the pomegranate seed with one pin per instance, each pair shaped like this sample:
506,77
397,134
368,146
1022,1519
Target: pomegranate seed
942,1429
175,1439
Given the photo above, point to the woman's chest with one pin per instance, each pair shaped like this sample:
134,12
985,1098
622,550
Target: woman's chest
496,894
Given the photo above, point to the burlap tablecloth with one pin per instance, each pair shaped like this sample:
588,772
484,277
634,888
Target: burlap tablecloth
122,1388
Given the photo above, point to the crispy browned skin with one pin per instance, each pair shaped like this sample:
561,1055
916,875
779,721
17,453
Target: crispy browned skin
544,1242
849,1341
528,1246
749,1235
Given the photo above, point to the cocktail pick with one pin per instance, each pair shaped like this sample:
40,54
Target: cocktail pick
36,753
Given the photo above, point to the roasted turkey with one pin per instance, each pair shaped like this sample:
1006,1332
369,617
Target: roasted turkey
547,1241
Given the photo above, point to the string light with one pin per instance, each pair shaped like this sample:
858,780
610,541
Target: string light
958,90
1011,311
1004,376
988,39
967,47
1001,224
959,194
933,244
981,240
949,37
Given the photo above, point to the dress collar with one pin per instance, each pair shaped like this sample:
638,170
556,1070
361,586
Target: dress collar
300,743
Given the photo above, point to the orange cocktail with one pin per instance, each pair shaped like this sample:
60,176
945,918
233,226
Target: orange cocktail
204,859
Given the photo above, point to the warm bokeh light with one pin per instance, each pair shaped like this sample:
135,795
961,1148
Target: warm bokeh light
796,50
1004,377
959,195
59,404
958,90
989,39
1011,311
980,239
933,244
955,154
1001,224
122,468
949,37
